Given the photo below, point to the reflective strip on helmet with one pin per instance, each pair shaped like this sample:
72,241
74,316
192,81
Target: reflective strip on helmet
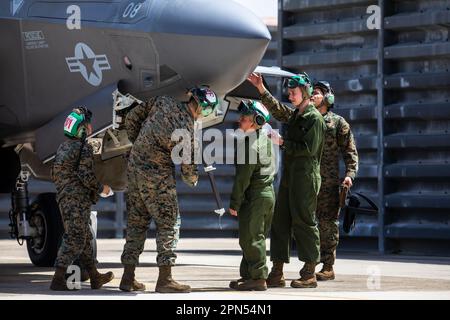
70,123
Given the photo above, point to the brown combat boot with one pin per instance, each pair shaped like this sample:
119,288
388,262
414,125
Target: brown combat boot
59,282
235,283
98,279
84,275
327,273
276,277
128,282
307,277
166,284
253,285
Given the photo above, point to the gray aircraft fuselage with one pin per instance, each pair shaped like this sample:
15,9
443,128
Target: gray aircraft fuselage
142,47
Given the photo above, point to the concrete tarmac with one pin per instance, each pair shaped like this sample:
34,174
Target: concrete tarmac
208,265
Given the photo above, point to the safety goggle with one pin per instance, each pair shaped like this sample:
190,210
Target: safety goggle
294,82
246,107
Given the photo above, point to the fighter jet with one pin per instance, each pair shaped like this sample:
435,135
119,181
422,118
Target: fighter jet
105,55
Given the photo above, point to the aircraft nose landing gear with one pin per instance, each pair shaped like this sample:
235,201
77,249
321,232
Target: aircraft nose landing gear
19,213
39,224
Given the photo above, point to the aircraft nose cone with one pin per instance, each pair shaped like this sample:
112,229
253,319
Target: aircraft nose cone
223,18
209,42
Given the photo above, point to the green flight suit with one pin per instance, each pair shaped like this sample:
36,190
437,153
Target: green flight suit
295,209
253,197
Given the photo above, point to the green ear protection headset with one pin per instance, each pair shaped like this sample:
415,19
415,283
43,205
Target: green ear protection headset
329,93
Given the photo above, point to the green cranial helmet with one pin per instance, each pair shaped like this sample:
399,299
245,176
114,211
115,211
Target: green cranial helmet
206,99
75,124
301,80
253,108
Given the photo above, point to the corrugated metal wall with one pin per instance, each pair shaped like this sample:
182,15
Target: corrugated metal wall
392,84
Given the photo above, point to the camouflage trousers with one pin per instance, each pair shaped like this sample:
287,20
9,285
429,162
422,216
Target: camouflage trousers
77,238
151,196
328,217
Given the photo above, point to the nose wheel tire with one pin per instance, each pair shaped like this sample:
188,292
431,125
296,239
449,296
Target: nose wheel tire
43,246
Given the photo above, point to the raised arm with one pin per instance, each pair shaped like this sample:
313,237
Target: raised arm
280,111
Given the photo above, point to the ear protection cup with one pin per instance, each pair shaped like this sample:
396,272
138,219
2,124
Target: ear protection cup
82,132
259,119
329,98
309,90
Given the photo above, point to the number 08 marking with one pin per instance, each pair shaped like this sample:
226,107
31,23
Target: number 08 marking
132,10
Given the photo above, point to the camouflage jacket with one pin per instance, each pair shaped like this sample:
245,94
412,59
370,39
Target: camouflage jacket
338,140
70,180
254,174
150,127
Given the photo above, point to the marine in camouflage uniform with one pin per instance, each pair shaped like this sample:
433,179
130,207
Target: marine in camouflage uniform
77,188
152,191
339,140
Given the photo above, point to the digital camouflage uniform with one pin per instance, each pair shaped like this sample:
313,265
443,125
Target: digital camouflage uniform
77,189
295,209
253,197
151,177
338,140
